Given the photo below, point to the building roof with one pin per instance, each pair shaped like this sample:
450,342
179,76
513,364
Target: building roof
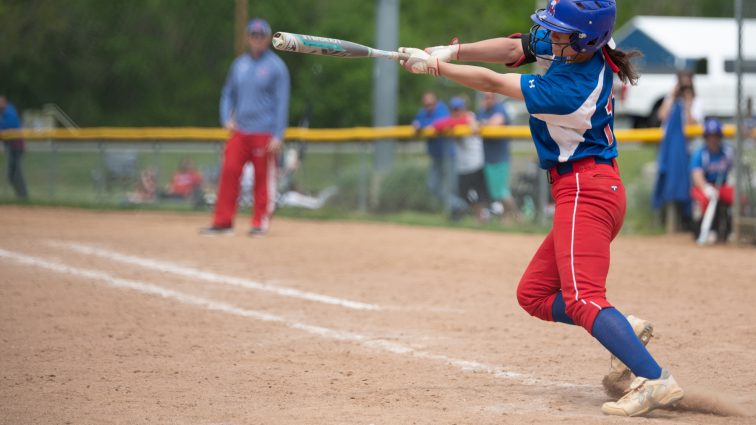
687,37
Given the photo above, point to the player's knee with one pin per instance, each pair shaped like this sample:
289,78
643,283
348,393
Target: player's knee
527,301
572,308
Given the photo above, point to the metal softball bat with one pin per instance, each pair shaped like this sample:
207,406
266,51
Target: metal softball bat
324,46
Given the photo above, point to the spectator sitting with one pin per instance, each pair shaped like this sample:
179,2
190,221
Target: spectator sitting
472,183
146,188
186,183
709,167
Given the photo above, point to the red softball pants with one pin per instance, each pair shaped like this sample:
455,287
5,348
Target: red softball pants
241,148
726,195
574,257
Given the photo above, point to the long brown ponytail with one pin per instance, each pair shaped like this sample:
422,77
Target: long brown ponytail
627,72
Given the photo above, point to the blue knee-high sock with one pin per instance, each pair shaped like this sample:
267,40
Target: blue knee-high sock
614,332
558,311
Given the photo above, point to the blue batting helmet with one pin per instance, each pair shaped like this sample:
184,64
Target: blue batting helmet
712,127
589,22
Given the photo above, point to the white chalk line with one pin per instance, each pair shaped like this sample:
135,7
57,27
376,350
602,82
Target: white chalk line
327,333
169,267
195,273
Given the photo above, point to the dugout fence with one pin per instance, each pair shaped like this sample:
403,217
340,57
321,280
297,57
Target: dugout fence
103,166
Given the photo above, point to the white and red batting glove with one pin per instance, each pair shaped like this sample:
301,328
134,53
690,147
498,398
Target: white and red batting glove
445,53
419,62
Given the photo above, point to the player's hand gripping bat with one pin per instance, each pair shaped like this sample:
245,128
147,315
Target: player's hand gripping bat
314,45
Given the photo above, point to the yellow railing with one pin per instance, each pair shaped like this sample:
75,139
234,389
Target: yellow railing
646,135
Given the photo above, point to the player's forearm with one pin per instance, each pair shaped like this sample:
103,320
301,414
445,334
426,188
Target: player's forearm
495,50
664,108
226,108
483,79
690,118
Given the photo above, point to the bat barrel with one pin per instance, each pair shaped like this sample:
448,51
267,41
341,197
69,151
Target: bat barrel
325,46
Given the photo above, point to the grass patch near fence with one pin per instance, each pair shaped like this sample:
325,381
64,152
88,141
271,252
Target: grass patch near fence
69,177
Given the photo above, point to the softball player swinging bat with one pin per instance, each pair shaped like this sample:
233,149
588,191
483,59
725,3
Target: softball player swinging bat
571,118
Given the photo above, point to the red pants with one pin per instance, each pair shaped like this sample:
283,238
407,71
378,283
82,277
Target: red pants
574,257
241,148
726,195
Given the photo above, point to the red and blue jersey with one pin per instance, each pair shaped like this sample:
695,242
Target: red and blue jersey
571,109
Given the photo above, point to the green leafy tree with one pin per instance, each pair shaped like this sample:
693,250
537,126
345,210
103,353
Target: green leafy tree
162,62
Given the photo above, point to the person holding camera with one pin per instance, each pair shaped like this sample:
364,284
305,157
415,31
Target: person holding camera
683,99
672,189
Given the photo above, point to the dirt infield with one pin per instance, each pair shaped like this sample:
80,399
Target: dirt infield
132,317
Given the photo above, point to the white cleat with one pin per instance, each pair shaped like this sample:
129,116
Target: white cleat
644,330
645,395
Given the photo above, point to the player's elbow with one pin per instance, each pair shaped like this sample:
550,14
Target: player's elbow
511,50
508,85
491,82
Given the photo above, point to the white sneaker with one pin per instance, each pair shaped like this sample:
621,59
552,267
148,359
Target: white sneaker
644,330
645,395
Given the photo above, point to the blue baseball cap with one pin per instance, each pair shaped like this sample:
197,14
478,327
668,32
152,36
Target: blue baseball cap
258,26
712,127
457,102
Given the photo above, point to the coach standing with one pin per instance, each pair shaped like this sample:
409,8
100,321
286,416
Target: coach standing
254,107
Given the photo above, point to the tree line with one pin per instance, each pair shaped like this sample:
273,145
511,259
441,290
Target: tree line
162,62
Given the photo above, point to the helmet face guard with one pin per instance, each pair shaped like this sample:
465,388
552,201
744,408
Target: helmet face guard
539,35
588,22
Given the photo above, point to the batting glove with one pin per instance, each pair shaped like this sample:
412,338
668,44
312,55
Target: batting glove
419,62
445,53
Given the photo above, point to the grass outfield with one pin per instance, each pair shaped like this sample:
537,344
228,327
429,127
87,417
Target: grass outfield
69,174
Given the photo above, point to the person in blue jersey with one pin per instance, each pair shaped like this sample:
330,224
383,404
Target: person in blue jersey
709,167
571,111
13,148
497,157
442,177
254,108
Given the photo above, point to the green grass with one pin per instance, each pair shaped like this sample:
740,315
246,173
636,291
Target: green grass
640,217
412,218
65,178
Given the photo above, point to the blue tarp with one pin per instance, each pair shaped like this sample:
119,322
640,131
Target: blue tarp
673,176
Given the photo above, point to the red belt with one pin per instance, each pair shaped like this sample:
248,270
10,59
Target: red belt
578,166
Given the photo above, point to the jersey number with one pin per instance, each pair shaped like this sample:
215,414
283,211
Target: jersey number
610,103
